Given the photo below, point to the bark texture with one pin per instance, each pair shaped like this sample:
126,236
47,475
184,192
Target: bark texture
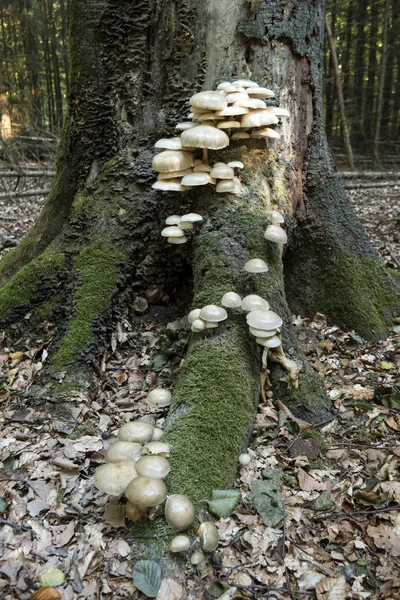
134,67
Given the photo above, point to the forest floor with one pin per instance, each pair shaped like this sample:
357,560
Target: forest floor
337,534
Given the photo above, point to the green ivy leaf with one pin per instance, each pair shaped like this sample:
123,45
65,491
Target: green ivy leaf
223,502
324,501
3,504
53,577
147,577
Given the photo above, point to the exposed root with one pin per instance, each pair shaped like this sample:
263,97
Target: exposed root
264,379
302,425
278,355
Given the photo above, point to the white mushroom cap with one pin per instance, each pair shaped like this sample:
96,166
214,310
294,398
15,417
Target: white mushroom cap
258,118
205,136
198,558
268,133
244,459
213,313
208,536
225,185
210,116
136,431
264,319
198,325
161,448
246,83
256,265
156,467
278,111
240,135
172,231
173,175
231,300
276,234
270,342
172,160
119,451
222,172
169,143
229,125
191,218
230,89
146,491
196,179
177,240
209,99
262,332
194,314
157,434
172,220
159,398
252,103
254,302
180,543
276,217
236,97
179,512
169,185
185,125
223,85
260,92
114,478
238,186
232,111
235,164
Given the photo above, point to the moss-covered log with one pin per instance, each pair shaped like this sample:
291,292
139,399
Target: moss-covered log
134,67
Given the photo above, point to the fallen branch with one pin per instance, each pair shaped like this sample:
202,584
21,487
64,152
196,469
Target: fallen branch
356,513
24,194
371,184
17,173
368,174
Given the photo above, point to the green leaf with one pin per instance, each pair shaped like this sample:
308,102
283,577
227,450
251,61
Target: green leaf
159,361
223,502
386,365
324,501
147,577
53,577
3,504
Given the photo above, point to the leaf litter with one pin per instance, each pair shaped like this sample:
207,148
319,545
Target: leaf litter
339,485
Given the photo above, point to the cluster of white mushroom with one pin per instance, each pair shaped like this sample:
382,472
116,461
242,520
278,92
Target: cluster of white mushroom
274,232
237,111
136,465
178,226
207,317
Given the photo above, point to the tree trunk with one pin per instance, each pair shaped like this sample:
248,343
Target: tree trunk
134,65
382,75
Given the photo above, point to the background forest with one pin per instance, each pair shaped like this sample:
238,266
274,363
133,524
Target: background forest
366,35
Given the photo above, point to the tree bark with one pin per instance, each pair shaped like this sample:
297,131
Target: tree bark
134,65
382,75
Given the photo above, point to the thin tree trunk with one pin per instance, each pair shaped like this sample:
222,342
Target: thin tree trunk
358,91
339,90
56,69
369,106
382,75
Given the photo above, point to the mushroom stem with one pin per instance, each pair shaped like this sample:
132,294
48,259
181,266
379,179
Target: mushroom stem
278,355
264,379
205,156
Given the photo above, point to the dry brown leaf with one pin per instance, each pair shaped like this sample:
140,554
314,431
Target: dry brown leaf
393,488
308,483
169,590
114,514
332,588
46,593
385,537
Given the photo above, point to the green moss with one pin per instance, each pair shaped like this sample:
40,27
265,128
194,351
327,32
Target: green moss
81,430
310,433
364,288
97,268
213,408
29,282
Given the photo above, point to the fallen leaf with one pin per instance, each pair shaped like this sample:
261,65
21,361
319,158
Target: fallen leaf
169,590
52,577
308,483
332,588
385,537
